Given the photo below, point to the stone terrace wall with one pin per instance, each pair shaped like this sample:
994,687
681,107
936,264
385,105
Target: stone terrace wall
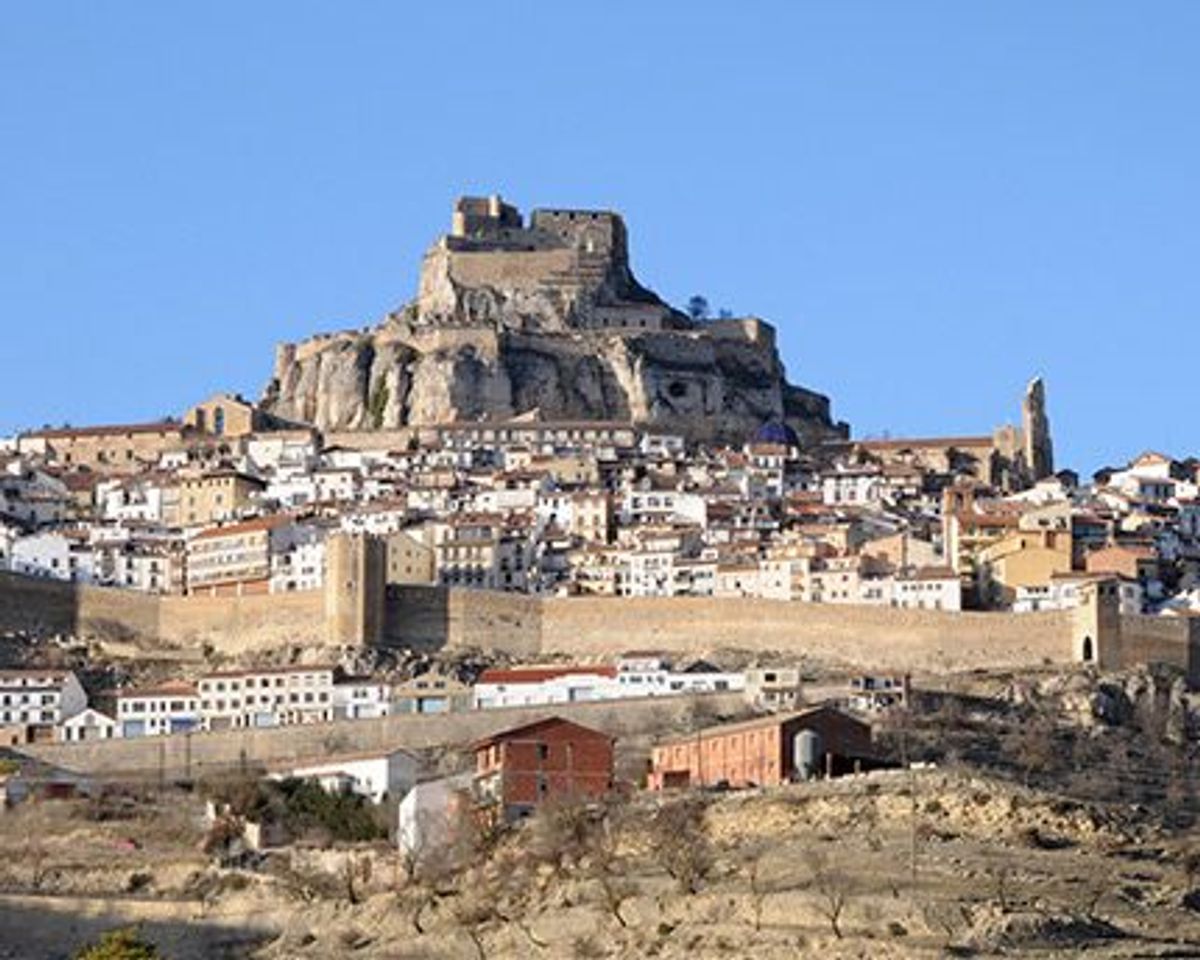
859,635
198,754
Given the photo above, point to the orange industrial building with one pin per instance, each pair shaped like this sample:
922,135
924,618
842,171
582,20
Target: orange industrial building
767,751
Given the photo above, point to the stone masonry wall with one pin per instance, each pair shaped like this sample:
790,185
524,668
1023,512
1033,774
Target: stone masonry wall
195,755
1171,640
33,605
862,636
234,625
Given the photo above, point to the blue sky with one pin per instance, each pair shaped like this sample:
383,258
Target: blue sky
931,201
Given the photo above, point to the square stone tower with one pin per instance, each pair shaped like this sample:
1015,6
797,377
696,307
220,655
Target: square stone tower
355,589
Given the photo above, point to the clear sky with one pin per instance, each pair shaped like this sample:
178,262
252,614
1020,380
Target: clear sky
932,201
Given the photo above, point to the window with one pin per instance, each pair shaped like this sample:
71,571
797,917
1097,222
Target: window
543,751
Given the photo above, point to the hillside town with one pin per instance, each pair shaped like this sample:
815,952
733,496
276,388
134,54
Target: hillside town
351,619
213,504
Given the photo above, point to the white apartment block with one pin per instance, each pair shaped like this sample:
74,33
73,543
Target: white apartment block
300,564
277,697
158,710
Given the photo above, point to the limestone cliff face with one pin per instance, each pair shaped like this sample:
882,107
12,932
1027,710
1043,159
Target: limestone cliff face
545,320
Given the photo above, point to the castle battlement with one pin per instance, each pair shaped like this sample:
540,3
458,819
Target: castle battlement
563,269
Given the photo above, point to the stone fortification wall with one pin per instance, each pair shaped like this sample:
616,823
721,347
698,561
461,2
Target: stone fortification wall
874,637
195,755
1170,640
484,340
236,625
371,439
232,625
32,605
744,329
527,269
869,637
436,617
429,618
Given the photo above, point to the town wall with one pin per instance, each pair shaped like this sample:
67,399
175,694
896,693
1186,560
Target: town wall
1170,640
429,618
45,607
197,754
862,636
438,617
245,624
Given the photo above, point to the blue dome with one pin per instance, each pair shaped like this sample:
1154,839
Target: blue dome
775,432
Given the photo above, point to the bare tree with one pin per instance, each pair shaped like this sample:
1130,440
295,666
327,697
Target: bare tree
834,887
949,916
679,840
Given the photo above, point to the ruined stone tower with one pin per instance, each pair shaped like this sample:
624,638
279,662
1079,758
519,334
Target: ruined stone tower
1035,431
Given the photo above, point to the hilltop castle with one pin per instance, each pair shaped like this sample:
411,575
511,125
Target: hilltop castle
543,319
566,269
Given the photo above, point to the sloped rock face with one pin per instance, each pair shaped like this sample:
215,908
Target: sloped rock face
686,382
553,332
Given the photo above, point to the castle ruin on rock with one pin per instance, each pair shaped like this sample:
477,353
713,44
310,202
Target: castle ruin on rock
543,320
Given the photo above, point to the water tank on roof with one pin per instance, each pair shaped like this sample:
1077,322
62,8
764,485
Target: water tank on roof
806,754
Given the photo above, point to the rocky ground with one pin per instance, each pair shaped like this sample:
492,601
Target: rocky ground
1054,816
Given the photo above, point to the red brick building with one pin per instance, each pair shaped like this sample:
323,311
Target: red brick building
760,752
545,760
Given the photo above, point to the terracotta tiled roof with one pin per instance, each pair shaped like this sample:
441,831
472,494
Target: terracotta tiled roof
541,674
245,526
170,688
109,430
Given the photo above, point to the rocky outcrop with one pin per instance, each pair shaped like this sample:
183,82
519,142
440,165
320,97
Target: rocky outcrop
545,321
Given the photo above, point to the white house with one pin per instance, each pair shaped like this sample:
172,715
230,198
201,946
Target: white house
31,496
88,725
532,686
853,485
299,563
361,699
54,555
172,707
39,698
1064,590
376,776
927,588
